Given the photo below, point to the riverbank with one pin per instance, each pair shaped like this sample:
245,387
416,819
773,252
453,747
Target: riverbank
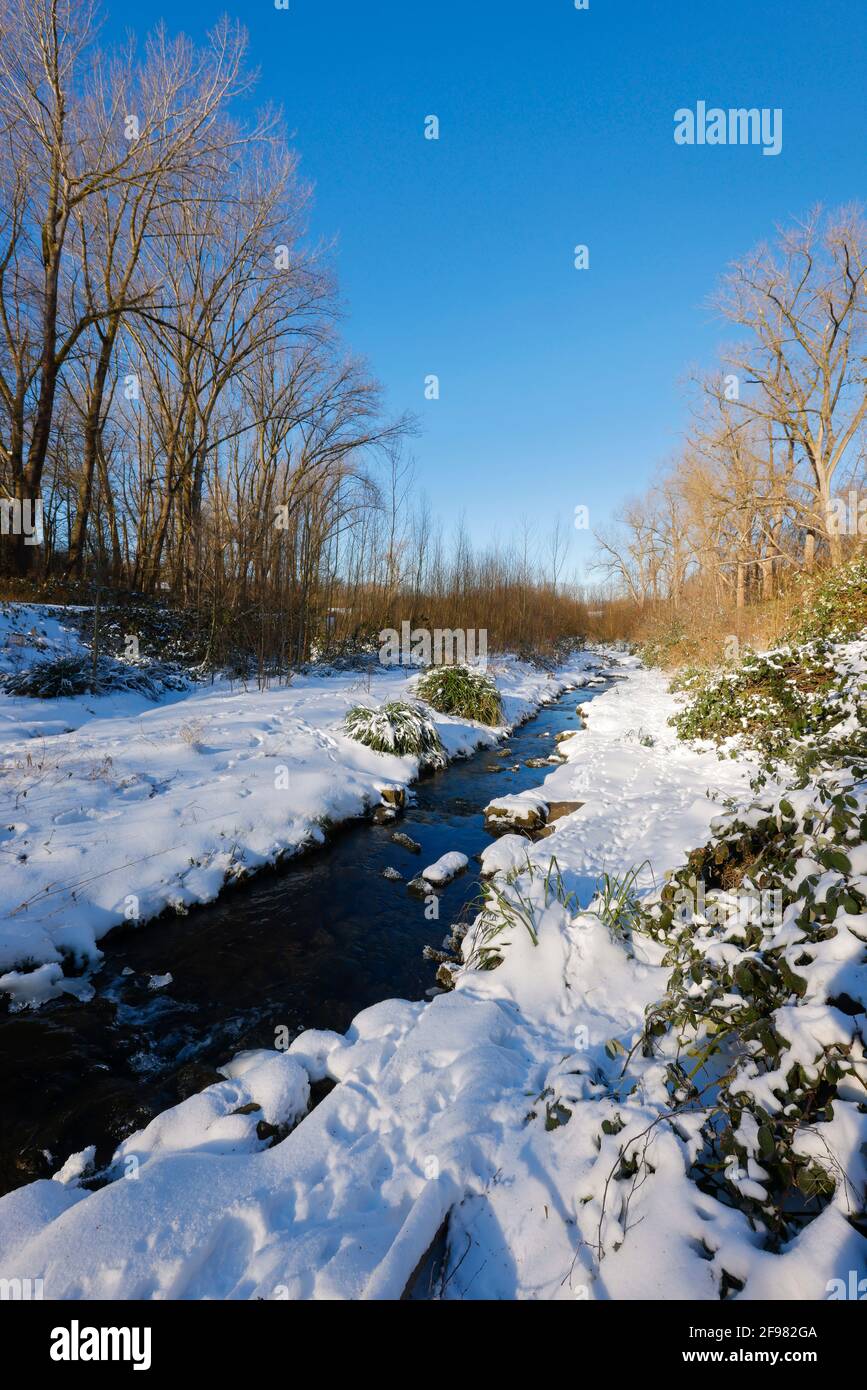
653,1093
454,1108
310,943
116,809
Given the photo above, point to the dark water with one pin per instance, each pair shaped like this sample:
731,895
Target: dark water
307,946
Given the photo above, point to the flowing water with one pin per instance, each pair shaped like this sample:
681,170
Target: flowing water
306,946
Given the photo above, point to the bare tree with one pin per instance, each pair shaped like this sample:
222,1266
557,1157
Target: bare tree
804,307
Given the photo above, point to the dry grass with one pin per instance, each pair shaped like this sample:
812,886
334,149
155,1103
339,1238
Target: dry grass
699,631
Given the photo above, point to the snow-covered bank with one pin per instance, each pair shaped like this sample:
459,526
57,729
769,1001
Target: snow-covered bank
647,796
114,809
498,1104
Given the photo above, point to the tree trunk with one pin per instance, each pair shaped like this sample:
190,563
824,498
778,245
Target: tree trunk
92,426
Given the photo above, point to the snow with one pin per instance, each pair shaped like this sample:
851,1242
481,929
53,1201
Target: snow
221,1120
32,632
518,808
447,867
503,1105
141,808
505,854
643,805
76,1166
29,989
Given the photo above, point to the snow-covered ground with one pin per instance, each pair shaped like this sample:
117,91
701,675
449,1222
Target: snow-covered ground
113,808
453,1106
497,1111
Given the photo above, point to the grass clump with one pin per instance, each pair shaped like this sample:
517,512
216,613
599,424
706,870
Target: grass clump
52,679
508,905
397,727
61,677
461,691
616,902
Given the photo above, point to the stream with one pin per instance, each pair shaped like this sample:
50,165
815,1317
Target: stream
308,945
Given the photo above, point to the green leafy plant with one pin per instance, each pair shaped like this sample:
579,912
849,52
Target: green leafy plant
763,1078
461,691
397,727
833,604
774,701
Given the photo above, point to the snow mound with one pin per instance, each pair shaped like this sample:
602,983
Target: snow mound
447,867
505,854
225,1119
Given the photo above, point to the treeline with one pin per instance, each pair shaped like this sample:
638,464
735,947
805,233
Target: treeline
174,393
770,480
401,566
372,556
176,400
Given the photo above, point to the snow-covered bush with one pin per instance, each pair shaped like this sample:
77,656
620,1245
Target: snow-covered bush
397,727
775,700
834,604
52,679
181,636
64,676
461,691
759,1027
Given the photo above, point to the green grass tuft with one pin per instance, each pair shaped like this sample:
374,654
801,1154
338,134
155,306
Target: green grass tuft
397,727
463,692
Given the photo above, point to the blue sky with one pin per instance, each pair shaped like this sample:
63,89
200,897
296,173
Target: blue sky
558,387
